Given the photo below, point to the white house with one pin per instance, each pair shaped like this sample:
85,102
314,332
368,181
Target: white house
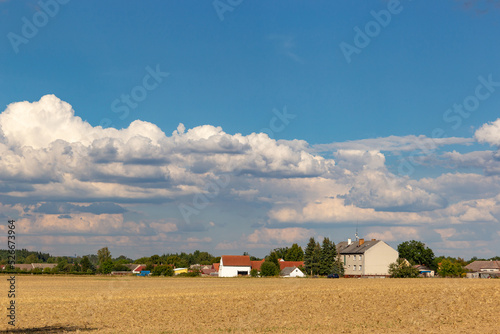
234,265
292,272
366,258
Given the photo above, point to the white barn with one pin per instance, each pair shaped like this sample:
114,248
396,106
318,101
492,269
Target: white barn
234,265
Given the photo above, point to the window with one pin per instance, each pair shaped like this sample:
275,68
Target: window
359,267
354,267
360,258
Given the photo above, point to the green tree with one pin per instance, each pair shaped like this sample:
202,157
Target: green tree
106,267
450,268
86,265
281,252
62,265
155,259
120,267
416,253
312,257
163,270
338,267
401,269
294,253
103,255
254,273
273,257
31,259
327,257
269,268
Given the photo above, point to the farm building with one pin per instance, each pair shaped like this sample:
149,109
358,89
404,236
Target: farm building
178,271
257,264
215,267
483,269
290,264
138,268
234,265
29,267
292,272
424,271
366,258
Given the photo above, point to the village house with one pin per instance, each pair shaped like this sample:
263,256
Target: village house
234,265
291,272
483,269
290,264
366,258
424,271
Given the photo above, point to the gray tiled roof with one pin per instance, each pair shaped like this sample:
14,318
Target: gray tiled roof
478,265
287,271
354,247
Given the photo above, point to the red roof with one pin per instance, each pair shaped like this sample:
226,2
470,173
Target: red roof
216,266
286,264
257,264
140,268
236,260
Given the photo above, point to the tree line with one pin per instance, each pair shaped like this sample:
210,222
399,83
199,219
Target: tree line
415,252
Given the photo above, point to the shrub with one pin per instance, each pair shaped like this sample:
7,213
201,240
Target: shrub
401,269
254,273
269,268
163,270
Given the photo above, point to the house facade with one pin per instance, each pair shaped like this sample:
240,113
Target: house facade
234,265
366,258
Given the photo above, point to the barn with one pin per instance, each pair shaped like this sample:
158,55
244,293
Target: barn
234,265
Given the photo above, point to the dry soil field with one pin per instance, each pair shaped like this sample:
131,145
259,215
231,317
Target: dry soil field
277,305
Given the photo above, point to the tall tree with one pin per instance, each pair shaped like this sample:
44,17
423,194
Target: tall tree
294,253
312,257
281,252
327,257
416,253
103,255
273,257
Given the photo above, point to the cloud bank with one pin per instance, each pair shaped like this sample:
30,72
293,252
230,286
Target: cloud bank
61,176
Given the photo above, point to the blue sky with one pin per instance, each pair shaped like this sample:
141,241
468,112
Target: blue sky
356,149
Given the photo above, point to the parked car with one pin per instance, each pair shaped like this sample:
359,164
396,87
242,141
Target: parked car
333,276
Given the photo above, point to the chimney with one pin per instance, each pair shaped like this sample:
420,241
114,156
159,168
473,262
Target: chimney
349,241
361,241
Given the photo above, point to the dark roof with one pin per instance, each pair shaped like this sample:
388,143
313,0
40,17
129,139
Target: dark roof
354,247
236,260
287,271
478,265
